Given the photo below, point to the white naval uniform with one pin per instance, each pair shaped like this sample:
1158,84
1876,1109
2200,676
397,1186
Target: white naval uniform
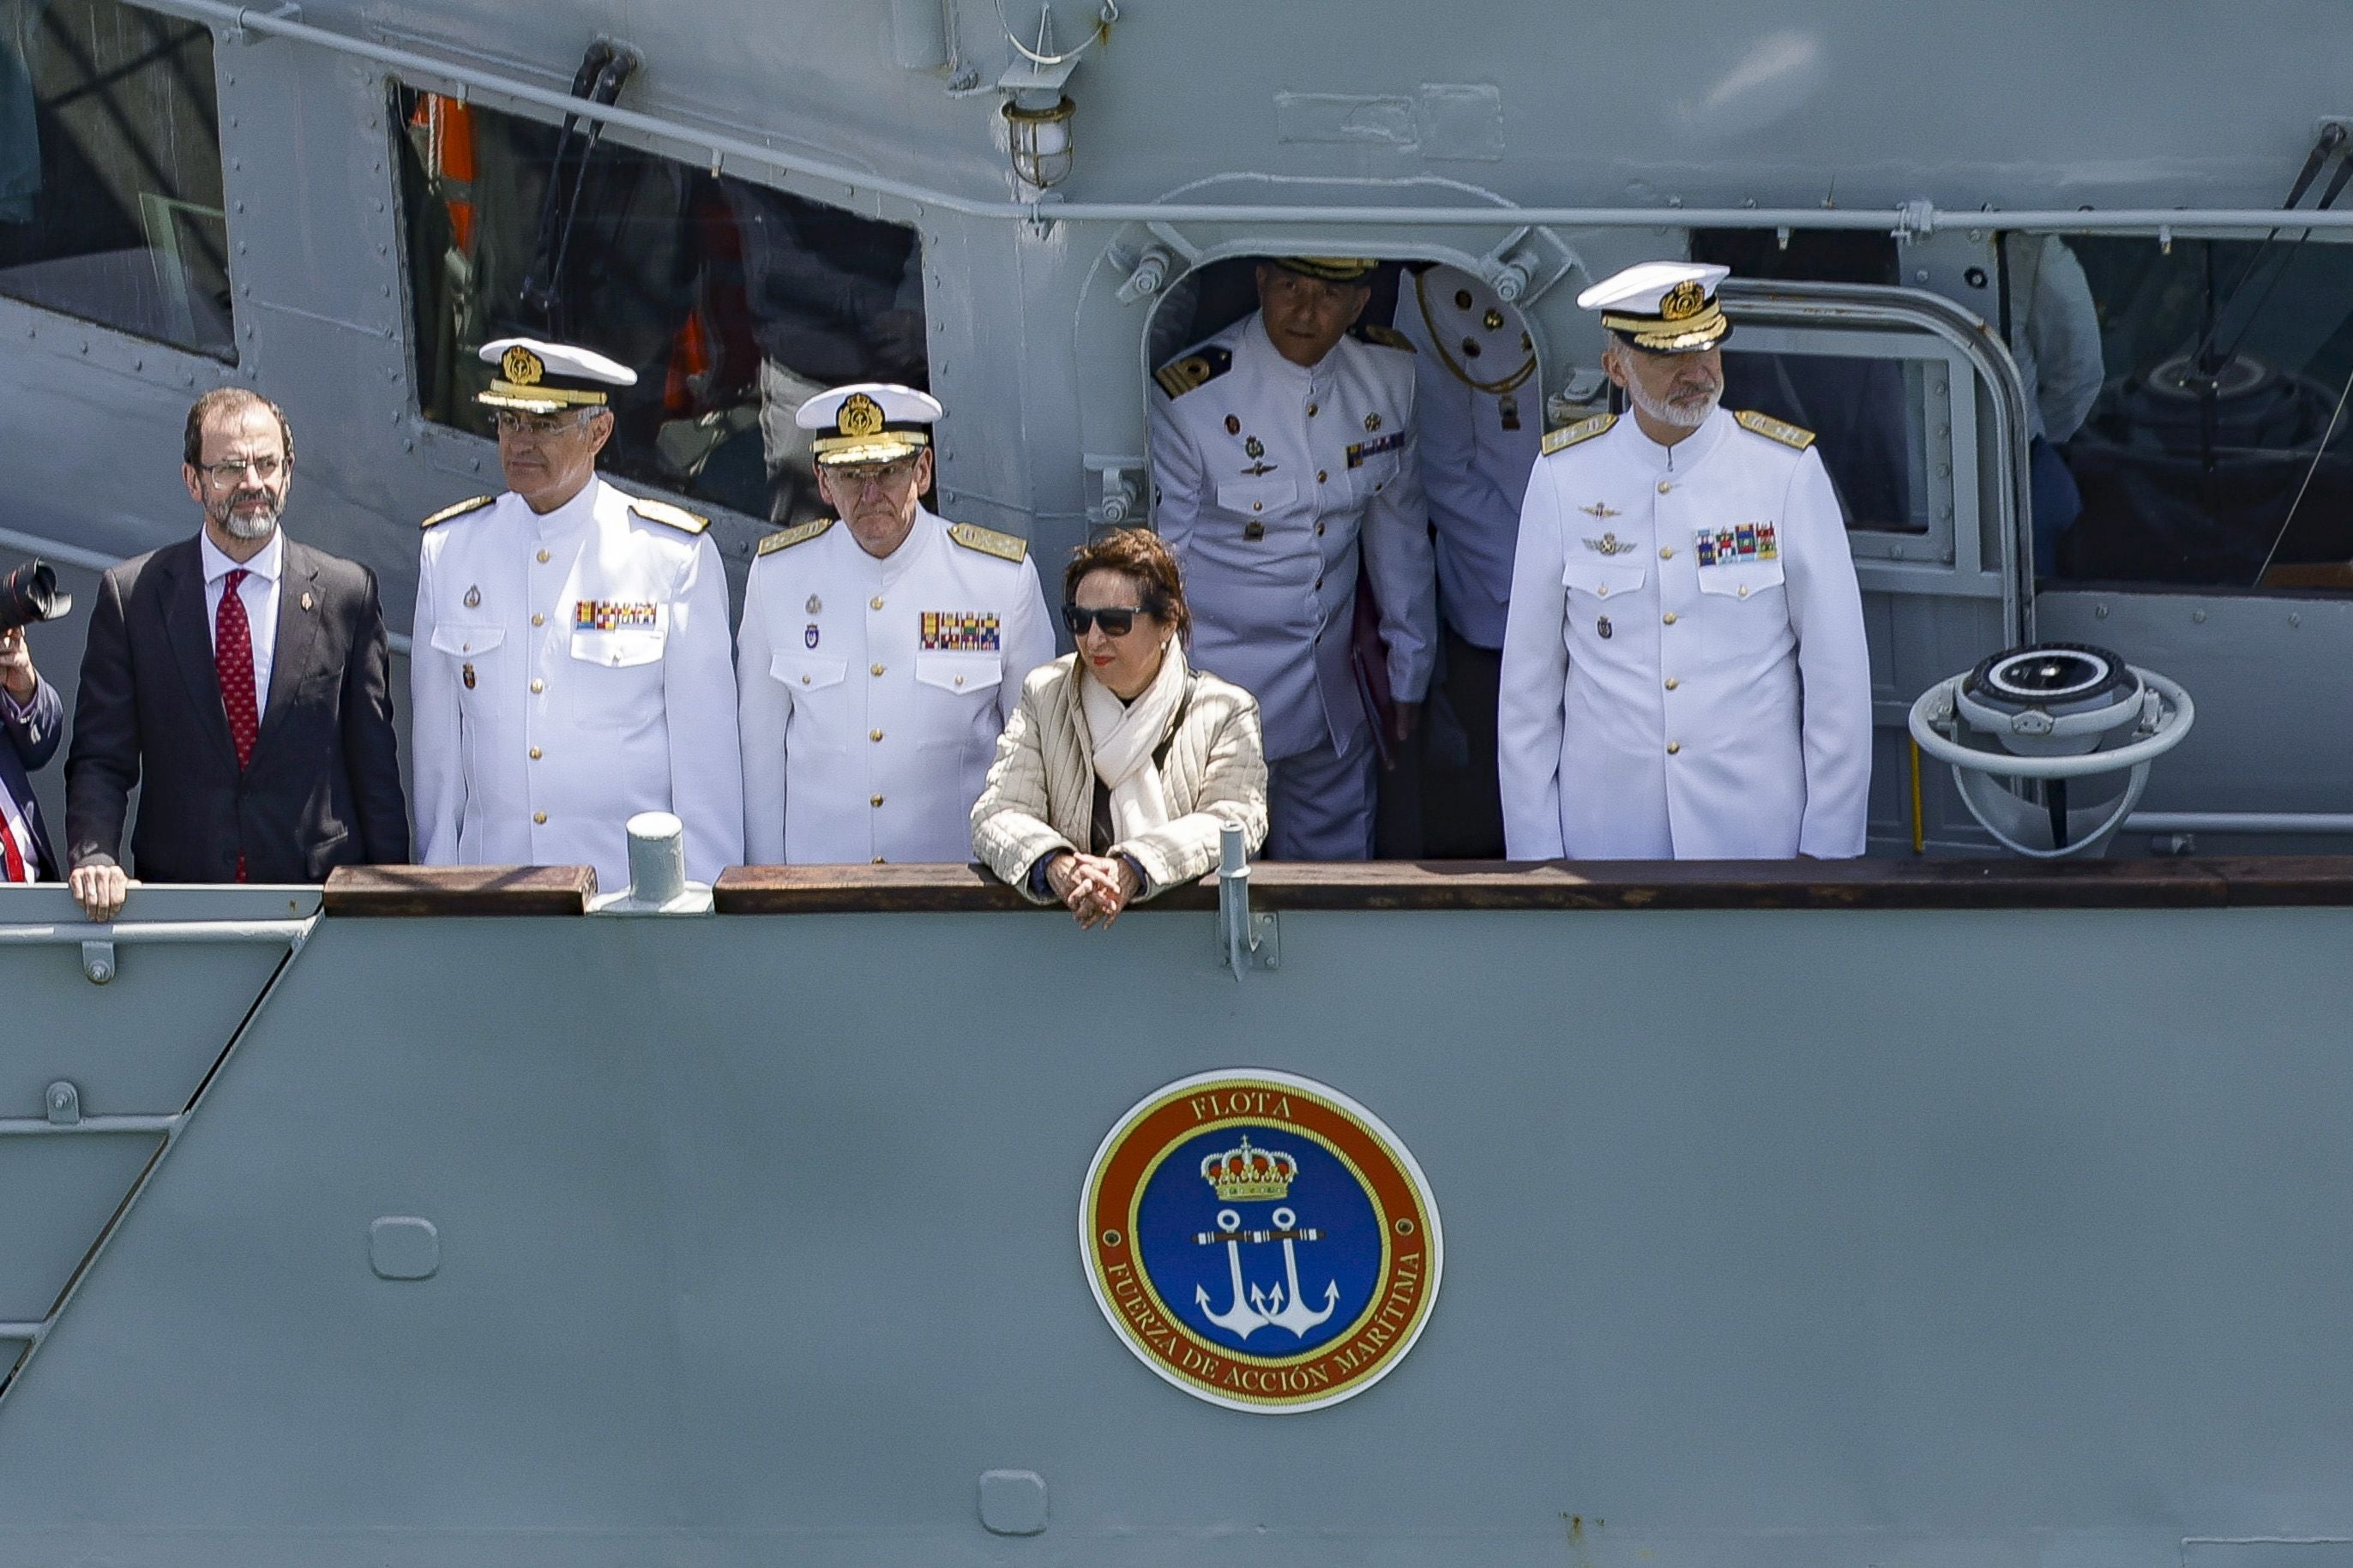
873,690
571,670
1657,706
1477,444
1270,544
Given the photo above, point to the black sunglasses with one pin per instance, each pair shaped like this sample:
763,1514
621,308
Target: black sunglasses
1116,623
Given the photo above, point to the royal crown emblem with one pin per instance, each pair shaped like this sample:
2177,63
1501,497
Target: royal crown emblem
521,366
1259,1240
1249,1175
1685,301
861,417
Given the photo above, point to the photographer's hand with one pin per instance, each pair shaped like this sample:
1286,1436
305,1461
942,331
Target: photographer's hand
17,676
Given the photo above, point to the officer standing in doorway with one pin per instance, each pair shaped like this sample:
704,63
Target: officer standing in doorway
571,663
882,649
1282,454
1481,414
1684,670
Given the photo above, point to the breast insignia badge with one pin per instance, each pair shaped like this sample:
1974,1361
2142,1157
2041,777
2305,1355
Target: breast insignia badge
1259,1240
1601,628
1600,510
474,597
816,606
1608,545
466,674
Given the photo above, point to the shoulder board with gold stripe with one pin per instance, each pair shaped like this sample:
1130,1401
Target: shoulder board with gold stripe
1384,337
1774,429
1568,435
988,542
1198,369
799,533
670,516
473,504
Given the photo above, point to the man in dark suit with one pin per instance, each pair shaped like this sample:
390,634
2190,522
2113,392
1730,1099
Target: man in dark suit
32,717
245,678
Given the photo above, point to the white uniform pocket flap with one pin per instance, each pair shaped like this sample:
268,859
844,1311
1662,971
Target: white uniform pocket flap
1740,578
1601,578
805,671
461,640
1252,497
963,673
619,649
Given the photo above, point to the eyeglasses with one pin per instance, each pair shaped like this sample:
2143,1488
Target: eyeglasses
232,472
507,422
890,476
1116,621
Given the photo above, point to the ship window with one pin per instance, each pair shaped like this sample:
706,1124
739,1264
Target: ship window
111,170
735,302
2210,371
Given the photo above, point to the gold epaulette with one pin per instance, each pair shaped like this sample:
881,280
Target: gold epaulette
1202,366
988,542
669,516
1384,337
472,503
799,533
1568,435
1774,429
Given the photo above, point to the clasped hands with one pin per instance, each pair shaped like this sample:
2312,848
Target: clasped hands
1093,887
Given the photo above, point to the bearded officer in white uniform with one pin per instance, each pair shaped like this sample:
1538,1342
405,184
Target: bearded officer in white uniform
1684,670
881,651
1282,450
571,661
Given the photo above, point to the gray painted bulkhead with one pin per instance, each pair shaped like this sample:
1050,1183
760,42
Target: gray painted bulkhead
1775,1238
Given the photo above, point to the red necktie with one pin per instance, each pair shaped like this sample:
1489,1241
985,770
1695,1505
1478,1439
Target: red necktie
233,662
10,860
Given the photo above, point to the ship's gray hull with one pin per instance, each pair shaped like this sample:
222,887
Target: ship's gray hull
1997,1237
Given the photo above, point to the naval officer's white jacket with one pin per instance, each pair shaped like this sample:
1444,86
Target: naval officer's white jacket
1270,541
569,671
1676,683
873,692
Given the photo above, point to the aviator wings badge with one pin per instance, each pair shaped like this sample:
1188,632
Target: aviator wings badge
1608,544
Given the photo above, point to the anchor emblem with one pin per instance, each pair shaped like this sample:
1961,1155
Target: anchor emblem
1242,1175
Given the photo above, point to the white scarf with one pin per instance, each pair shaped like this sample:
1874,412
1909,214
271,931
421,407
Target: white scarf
1125,738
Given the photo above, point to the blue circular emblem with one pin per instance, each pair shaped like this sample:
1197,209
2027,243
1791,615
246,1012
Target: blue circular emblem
1261,1240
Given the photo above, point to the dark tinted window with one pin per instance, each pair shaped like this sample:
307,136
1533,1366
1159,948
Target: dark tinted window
111,170
2221,363
733,301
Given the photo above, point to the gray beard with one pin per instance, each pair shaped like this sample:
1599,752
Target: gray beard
1666,413
257,525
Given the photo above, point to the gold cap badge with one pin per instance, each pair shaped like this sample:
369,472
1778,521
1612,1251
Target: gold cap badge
861,417
523,367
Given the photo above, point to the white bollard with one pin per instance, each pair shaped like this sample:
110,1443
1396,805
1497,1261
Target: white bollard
658,884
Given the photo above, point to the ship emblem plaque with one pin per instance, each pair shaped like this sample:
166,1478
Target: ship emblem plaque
1261,1240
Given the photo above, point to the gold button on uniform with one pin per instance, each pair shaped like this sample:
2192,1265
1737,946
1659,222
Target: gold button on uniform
1672,683
878,669
875,602
542,558
873,734
534,754
1666,552
540,817
876,801
1664,487
539,620
1321,476
1673,746
537,684
1669,618
1744,590
1602,592
1311,411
